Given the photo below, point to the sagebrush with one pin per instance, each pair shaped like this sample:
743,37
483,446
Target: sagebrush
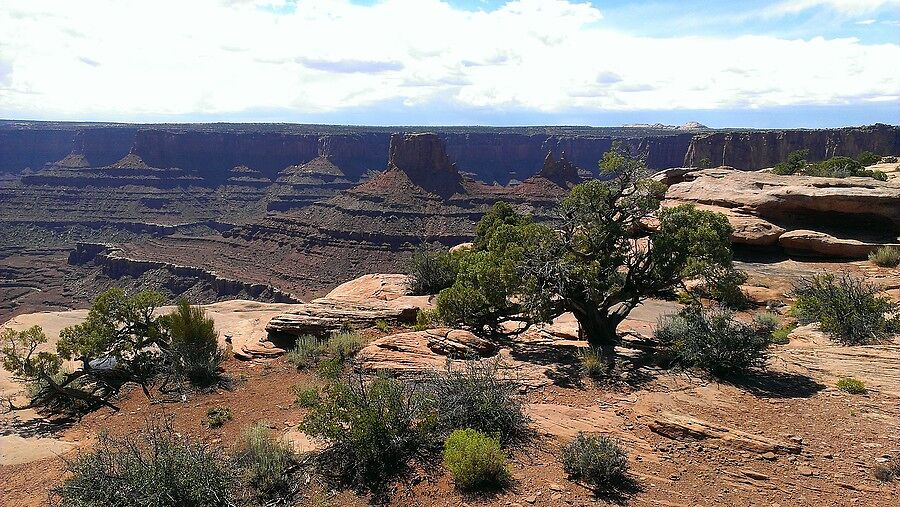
475,460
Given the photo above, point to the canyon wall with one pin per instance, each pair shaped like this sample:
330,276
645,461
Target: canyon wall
761,149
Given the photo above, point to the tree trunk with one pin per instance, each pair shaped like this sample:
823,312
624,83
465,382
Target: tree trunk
600,332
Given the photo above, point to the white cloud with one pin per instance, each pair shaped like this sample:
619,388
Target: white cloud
866,22
101,57
849,7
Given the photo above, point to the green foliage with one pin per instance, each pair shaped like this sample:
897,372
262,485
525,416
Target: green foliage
382,325
851,385
597,461
850,310
780,335
705,163
796,162
480,397
306,396
194,345
475,460
266,461
426,319
157,467
886,257
868,158
498,221
372,430
835,167
432,269
713,340
310,351
216,417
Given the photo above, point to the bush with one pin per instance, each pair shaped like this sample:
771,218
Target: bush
196,355
478,397
306,396
886,257
850,310
597,461
796,162
266,461
310,351
432,269
216,417
780,335
868,158
851,385
372,430
766,322
712,339
592,362
475,460
382,325
158,467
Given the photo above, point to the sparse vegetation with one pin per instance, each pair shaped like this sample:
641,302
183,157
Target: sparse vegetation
850,310
713,340
704,163
592,363
216,417
597,461
382,326
851,386
431,269
886,256
475,460
266,462
372,430
781,335
480,397
195,352
122,341
306,395
157,467
834,167
310,351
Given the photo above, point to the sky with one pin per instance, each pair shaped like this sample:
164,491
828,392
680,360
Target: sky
750,63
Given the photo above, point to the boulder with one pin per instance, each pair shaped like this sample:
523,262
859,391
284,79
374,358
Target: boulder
421,351
684,427
820,244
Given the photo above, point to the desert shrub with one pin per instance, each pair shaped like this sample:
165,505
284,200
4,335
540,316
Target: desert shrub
216,417
886,256
372,430
157,467
713,340
868,158
266,462
705,163
597,461
382,325
479,397
766,322
592,362
851,385
306,396
432,269
780,335
475,460
796,162
196,355
309,351
850,310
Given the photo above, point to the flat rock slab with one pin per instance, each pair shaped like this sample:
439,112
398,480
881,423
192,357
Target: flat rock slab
422,351
684,427
814,243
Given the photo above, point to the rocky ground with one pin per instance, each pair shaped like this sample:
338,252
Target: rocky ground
782,436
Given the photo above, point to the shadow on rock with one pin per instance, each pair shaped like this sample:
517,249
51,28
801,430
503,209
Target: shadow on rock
767,384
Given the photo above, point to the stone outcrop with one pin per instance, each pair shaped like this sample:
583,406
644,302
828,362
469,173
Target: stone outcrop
358,303
804,215
417,352
684,427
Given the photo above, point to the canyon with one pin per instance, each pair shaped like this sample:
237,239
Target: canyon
298,208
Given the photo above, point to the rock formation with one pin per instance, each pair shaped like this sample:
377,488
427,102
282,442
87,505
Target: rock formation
831,217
